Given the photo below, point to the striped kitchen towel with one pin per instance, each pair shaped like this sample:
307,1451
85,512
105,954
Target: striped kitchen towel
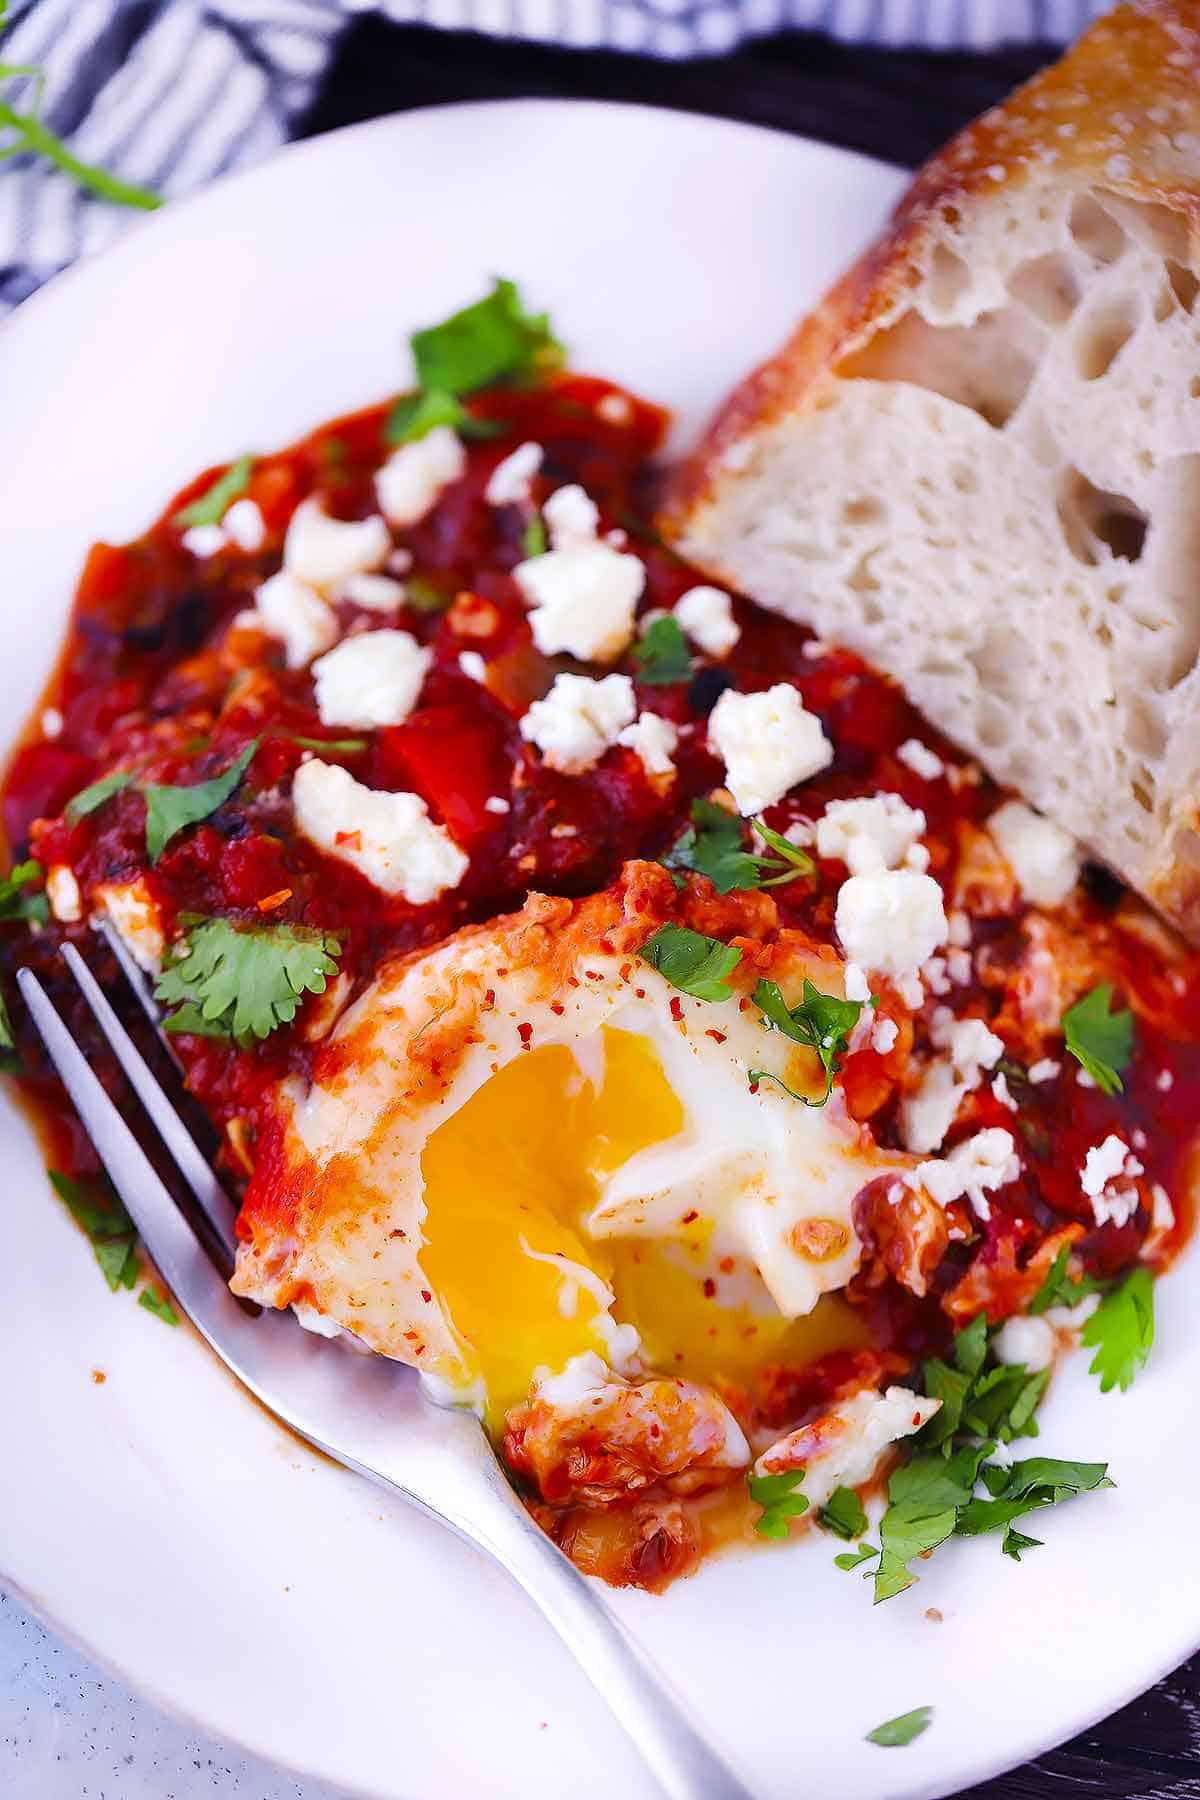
169,93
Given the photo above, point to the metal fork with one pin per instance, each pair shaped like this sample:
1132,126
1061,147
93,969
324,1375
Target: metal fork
366,1411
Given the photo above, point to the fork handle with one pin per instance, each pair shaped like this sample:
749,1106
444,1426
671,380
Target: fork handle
685,1765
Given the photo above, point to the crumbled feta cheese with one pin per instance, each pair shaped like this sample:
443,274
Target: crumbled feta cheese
52,722
245,525
1162,1220
370,680
203,541
927,1114
614,409
958,932
857,986
496,803
399,561
472,665
1115,1206
1026,1341
1102,1163
917,857
1043,857
374,593
870,834
1164,1081
933,974
1045,1070
970,1043
411,480
652,738
1000,1091
884,1036
584,597
508,483
768,743
62,892
706,614
911,991
974,1168
388,838
1084,1079
325,552
892,920
571,517
959,967
842,1447
290,610
579,719
136,918
920,759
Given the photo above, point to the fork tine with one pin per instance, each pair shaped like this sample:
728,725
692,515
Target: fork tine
216,1204
177,1251
136,978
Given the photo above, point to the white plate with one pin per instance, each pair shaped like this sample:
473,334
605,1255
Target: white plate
160,1518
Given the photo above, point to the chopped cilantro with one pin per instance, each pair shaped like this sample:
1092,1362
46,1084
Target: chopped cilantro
24,132
895,1733
1027,1487
159,1305
88,799
14,902
415,415
1059,1289
909,1528
777,1496
169,810
215,502
533,538
1121,1331
336,746
493,340
661,654
98,1212
695,964
822,1022
712,845
843,1514
242,982
754,1076
851,1559
7,1040
1100,1041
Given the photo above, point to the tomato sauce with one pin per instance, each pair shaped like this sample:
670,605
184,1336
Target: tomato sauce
152,677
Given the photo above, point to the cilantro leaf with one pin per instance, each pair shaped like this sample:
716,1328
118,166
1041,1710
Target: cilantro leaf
245,981
895,1733
415,415
7,1040
1121,1331
533,538
1059,1289
971,1346
169,810
909,1528
661,654
215,502
1027,1487
821,1022
777,1496
334,746
25,132
936,1481
754,1076
1015,1542
693,963
14,903
88,799
1100,1040
493,340
712,845
843,1514
111,1232
850,1559
158,1304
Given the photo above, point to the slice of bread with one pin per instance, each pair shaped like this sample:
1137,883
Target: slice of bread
978,462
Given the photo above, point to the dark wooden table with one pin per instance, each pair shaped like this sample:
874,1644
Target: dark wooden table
895,105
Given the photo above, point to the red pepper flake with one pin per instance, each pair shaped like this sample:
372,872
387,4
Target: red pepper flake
349,839
710,1287
489,998
718,1037
571,981
557,1007
676,1008
726,1265
624,970
426,1296
688,1217
640,992
502,973
525,1032
99,1377
269,902
593,975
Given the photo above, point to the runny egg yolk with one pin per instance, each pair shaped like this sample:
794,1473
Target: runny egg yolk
509,1182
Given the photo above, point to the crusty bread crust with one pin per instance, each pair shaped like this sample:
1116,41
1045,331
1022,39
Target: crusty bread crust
1119,114
1121,108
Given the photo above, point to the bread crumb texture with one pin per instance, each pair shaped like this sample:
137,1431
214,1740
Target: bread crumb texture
978,462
